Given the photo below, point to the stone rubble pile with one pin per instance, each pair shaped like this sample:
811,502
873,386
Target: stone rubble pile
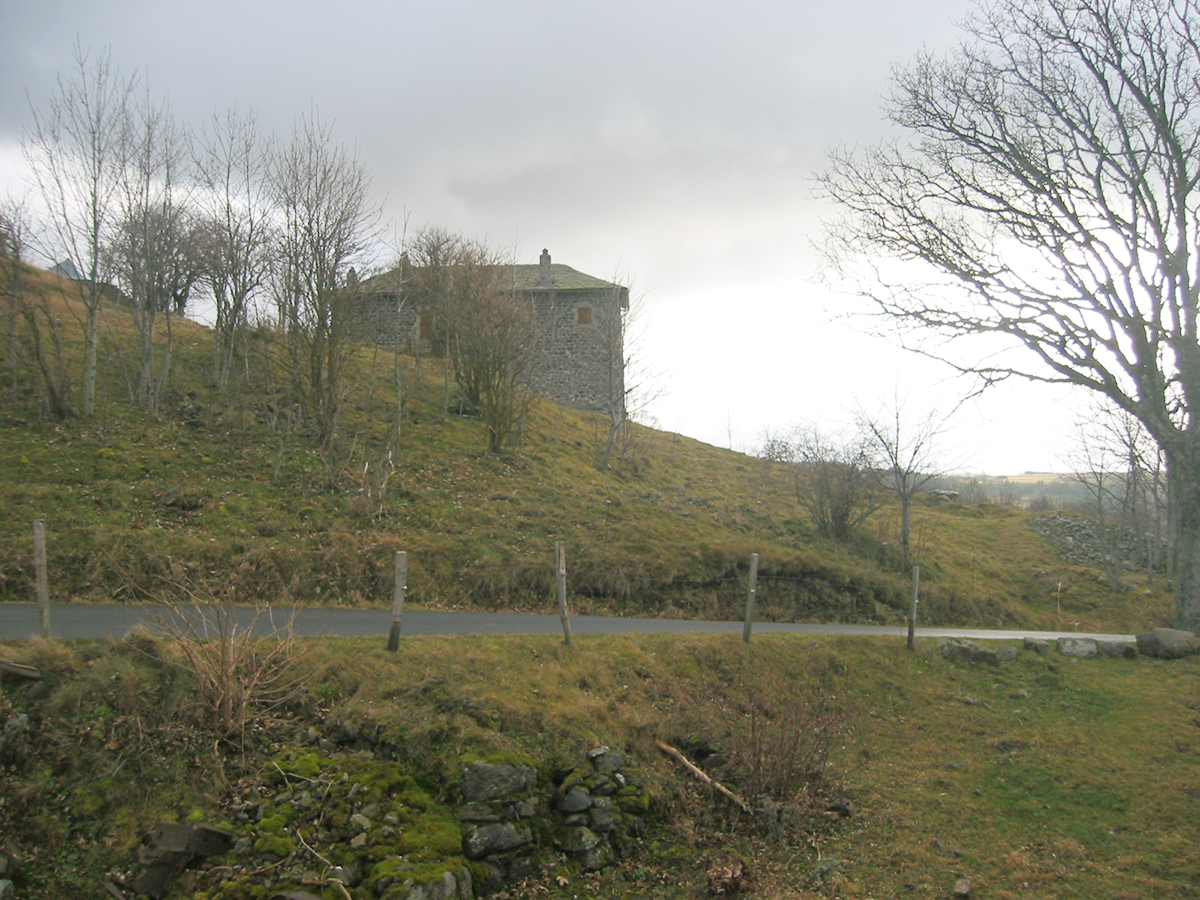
1159,643
1081,540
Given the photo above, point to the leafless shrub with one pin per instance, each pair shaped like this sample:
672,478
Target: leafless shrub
834,481
240,675
779,751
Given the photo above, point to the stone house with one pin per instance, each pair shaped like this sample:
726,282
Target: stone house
579,320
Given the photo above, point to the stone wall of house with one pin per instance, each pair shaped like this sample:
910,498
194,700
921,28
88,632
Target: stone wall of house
581,363
379,319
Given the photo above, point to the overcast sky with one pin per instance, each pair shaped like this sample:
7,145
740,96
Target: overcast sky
672,144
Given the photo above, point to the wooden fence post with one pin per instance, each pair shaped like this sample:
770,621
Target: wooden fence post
912,616
39,565
560,559
398,600
750,598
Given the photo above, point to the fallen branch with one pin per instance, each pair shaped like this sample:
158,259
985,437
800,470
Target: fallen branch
27,672
703,776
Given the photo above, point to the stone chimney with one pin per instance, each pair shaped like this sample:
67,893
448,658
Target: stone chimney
544,267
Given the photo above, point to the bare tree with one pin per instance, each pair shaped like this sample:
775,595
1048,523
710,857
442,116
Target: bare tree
75,151
327,224
494,345
833,478
34,340
232,160
907,459
154,248
1047,197
631,383
488,335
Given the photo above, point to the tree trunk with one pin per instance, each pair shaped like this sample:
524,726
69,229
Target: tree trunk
1183,487
89,365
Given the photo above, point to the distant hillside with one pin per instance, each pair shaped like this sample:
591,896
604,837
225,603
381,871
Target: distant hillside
227,495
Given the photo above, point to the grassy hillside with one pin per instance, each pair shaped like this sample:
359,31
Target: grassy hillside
1045,778
889,773
228,496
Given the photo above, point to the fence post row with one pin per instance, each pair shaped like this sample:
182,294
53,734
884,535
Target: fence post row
750,598
560,560
398,600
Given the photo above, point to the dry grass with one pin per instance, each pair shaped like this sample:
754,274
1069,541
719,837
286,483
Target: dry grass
668,530
1047,777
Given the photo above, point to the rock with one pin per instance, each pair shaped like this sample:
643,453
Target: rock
525,809
1037,645
606,760
360,823
182,498
36,692
602,821
597,858
844,807
945,849
7,890
1117,649
13,740
577,839
962,887
478,813
826,869
1004,653
169,848
495,838
575,800
603,786
484,781
359,841
1167,643
969,651
446,889
1081,647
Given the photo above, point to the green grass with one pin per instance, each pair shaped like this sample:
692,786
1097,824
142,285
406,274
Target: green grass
1046,777
668,530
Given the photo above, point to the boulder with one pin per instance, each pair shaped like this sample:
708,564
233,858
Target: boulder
969,651
1168,643
575,800
605,759
1081,647
496,838
1037,645
484,781
576,839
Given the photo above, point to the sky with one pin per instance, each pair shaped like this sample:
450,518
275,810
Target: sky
668,145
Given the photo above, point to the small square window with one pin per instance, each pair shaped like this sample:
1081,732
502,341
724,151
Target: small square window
583,315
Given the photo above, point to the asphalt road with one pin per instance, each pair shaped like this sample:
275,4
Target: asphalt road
20,621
